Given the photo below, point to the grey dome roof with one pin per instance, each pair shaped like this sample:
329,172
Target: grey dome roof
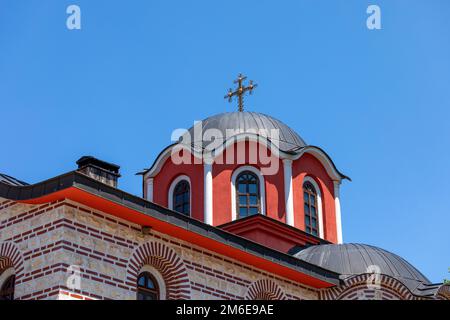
249,122
353,259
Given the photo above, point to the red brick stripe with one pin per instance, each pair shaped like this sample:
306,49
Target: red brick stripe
265,289
214,292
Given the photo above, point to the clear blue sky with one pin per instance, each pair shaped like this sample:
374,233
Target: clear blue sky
377,101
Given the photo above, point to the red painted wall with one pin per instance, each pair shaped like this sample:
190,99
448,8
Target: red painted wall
168,173
274,186
308,165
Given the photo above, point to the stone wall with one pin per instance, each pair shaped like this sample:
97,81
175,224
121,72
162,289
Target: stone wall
63,250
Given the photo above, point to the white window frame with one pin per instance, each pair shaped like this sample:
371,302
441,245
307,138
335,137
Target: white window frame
262,189
172,189
159,279
319,201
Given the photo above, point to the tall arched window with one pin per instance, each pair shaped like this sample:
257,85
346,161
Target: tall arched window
247,194
147,287
182,198
311,210
7,289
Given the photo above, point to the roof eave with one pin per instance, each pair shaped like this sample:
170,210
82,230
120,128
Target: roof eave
79,187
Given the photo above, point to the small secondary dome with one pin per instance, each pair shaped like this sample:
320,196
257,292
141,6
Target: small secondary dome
250,122
353,259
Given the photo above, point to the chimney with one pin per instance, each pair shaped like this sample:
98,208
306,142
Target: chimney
100,170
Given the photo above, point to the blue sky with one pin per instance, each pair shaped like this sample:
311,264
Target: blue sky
377,101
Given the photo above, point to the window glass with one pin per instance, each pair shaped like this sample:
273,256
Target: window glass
7,289
182,198
310,209
247,194
147,287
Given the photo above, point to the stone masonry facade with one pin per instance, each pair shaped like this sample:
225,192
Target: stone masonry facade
64,250
47,245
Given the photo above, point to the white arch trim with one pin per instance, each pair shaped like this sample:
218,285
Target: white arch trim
319,202
315,151
172,189
262,189
159,279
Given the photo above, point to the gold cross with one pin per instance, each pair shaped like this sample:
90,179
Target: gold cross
240,91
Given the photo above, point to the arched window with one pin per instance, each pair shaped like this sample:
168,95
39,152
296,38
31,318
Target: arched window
247,194
147,287
7,289
182,198
311,211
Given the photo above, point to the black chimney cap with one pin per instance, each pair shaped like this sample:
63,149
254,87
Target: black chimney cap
90,160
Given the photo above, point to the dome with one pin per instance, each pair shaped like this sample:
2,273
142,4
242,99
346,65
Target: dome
353,259
250,122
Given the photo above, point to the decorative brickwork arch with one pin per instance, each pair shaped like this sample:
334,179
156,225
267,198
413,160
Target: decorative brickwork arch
11,257
356,288
265,289
167,263
443,292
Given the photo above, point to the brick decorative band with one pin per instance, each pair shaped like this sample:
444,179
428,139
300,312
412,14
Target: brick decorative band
167,262
11,257
356,286
265,289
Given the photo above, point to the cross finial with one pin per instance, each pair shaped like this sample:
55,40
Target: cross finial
240,91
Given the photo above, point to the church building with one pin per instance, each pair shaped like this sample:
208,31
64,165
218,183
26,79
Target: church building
239,208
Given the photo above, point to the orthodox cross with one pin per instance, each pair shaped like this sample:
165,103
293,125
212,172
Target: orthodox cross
240,91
